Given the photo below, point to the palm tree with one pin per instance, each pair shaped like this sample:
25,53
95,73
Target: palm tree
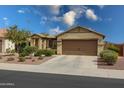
17,36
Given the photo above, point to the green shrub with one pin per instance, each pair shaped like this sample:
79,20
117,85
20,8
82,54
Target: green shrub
104,51
13,51
38,52
113,48
48,52
21,59
110,57
29,49
8,50
23,54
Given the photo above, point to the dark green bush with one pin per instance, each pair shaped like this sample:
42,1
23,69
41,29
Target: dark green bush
48,52
113,48
29,49
38,52
104,51
23,54
110,57
13,51
8,50
21,59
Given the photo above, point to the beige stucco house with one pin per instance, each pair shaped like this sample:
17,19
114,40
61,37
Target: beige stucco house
43,41
5,43
75,41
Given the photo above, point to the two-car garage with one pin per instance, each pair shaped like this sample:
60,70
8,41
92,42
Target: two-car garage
79,41
79,47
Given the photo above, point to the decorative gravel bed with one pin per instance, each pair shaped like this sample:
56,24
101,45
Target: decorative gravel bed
32,61
119,65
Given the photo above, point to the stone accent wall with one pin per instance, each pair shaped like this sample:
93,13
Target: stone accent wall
100,46
59,46
40,43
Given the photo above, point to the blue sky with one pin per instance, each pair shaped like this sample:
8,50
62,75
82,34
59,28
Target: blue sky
108,20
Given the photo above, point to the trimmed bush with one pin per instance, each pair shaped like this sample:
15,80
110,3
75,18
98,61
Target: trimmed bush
23,54
38,53
110,58
48,52
104,51
21,59
29,50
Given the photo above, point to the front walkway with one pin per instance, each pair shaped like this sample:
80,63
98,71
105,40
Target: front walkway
71,65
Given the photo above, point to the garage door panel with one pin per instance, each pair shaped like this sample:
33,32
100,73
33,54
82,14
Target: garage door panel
79,47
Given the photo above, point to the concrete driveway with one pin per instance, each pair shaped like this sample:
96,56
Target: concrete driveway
68,63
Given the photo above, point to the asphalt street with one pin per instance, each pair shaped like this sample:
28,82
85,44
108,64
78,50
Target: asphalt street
17,79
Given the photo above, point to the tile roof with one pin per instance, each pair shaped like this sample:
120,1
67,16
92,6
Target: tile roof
45,36
3,32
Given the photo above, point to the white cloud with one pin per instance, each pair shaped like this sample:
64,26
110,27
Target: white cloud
69,18
21,11
6,22
5,18
43,20
91,15
55,31
79,10
55,9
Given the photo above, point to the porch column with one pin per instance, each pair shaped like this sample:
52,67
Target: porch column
32,42
59,46
40,43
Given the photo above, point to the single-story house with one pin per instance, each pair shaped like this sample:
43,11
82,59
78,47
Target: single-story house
43,41
5,43
75,41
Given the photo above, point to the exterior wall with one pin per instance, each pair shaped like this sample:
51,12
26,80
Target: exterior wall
79,34
7,44
44,44
59,46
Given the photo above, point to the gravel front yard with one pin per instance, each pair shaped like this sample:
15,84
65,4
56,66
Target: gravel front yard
32,61
118,66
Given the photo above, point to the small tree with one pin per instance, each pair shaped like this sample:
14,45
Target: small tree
17,36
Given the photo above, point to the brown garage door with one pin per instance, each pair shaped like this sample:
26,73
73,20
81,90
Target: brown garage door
79,47
0,46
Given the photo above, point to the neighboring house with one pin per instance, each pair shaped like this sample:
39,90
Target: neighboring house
5,43
43,41
75,41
